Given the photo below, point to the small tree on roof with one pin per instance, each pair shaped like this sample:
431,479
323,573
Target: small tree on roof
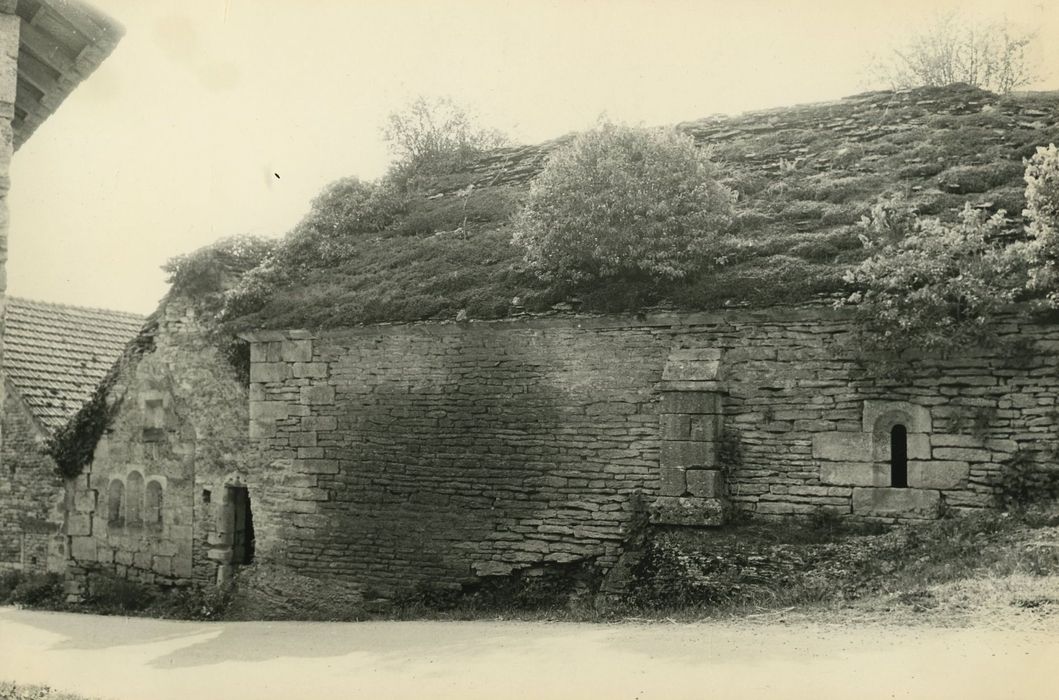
436,135
992,56
621,200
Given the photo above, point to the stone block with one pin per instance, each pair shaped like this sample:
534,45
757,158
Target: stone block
269,410
706,483
961,454
78,524
296,350
675,426
854,474
182,566
83,548
843,447
918,503
265,372
319,423
937,474
696,512
311,370
692,365
686,453
85,500
673,482
303,439
316,466
318,395
697,402
708,427
162,565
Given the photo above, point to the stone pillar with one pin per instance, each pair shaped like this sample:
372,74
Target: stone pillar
692,484
9,33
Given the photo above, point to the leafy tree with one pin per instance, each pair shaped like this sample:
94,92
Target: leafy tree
992,56
621,200
932,285
435,135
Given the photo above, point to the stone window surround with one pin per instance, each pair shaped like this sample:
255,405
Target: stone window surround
862,460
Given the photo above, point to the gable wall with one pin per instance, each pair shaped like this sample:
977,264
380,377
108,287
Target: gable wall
181,423
393,454
31,495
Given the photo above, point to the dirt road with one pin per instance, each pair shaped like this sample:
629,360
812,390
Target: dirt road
141,659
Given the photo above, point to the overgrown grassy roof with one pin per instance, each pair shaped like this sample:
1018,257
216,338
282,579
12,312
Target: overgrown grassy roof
804,175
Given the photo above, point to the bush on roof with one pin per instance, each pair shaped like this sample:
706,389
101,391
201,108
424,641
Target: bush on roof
933,285
620,200
1042,213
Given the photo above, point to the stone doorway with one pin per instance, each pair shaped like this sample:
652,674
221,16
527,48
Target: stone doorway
241,525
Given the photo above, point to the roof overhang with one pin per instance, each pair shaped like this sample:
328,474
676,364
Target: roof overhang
61,42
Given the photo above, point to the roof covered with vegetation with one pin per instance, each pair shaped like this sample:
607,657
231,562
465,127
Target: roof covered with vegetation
804,178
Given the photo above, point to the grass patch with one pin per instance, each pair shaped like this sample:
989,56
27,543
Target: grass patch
21,691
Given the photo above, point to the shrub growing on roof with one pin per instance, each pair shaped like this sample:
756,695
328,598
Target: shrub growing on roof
429,136
1042,213
621,200
932,285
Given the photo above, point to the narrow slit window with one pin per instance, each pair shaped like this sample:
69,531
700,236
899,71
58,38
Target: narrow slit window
899,457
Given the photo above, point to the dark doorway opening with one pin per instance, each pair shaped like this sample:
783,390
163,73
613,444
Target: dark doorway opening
899,457
242,525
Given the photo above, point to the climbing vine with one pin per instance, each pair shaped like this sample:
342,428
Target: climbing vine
73,445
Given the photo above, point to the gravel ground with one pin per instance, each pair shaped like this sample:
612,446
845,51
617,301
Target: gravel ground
837,653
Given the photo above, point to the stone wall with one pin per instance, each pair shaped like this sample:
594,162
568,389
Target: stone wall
9,34
441,452
31,495
151,504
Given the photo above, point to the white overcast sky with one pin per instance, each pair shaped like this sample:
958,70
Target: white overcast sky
173,142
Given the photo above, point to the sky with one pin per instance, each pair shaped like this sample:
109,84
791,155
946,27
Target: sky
221,117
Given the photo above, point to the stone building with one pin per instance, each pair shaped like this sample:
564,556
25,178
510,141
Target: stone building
47,47
445,451
164,496
55,356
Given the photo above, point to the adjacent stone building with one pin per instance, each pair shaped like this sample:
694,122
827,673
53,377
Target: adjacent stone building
47,47
55,356
166,485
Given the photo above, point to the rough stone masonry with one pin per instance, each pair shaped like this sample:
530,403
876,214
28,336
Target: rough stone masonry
393,454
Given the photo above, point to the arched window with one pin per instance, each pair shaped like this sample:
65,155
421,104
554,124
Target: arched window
899,457
152,505
134,500
116,503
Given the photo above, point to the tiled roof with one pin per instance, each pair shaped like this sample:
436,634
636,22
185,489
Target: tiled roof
55,354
